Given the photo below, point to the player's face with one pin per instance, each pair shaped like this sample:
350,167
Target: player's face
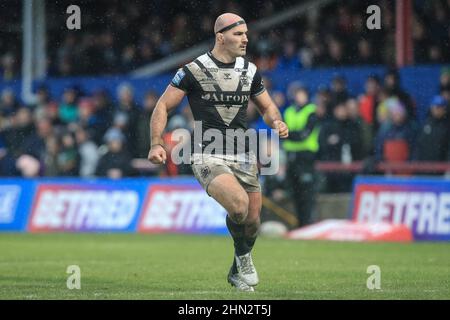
236,40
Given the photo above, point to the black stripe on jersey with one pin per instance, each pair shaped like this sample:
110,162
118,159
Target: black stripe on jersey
243,74
191,76
208,74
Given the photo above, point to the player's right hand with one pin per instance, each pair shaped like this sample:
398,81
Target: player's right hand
281,128
157,154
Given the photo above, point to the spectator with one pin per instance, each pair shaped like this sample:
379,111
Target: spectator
445,93
128,59
435,54
319,57
68,158
336,53
103,111
421,41
8,103
7,162
68,111
50,161
177,121
366,54
86,116
68,52
88,152
8,66
129,113
359,126
109,53
116,163
339,91
50,112
35,144
143,124
396,137
444,79
340,141
323,103
369,101
181,37
43,100
21,127
382,109
289,59
394,89
434,139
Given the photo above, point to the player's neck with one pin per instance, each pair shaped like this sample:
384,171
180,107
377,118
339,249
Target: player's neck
222,56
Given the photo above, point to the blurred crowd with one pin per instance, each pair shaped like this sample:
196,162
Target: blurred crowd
90,135
118,37
76,135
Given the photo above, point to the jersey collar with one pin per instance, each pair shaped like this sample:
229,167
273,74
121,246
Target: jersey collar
221,64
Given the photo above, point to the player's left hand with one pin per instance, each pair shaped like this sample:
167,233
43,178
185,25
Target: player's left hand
281,128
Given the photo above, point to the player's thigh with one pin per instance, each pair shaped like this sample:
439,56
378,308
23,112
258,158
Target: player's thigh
226,190
254,206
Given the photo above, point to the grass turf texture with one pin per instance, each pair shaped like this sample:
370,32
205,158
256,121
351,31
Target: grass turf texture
137,266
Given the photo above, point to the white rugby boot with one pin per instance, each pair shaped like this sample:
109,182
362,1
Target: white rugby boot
246,269
236,281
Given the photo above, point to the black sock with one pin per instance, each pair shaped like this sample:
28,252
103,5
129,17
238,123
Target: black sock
234,269
237,231
250,242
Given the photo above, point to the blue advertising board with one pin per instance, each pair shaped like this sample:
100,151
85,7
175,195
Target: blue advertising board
103,205
422,204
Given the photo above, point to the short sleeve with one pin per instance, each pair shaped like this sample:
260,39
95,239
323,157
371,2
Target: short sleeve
257,85
182,80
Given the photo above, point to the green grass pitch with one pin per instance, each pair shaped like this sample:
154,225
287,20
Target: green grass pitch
138,266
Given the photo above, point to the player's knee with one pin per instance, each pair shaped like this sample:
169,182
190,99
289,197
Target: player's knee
239,209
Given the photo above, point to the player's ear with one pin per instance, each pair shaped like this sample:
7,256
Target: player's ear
220,38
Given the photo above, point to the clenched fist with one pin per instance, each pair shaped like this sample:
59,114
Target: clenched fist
281,128
157,154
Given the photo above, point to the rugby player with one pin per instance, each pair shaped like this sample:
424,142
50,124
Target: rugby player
218,85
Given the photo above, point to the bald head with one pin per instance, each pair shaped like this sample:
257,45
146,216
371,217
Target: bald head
225,20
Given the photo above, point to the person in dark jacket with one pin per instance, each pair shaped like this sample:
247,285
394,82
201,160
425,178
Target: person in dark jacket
434,138
394,89
7,162
116,163
340,140
129,112
35,144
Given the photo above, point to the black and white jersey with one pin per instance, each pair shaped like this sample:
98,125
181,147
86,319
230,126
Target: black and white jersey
218,92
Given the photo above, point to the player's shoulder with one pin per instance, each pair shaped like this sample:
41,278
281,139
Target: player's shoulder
198,62
188,71
192,66
247,64
246,60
